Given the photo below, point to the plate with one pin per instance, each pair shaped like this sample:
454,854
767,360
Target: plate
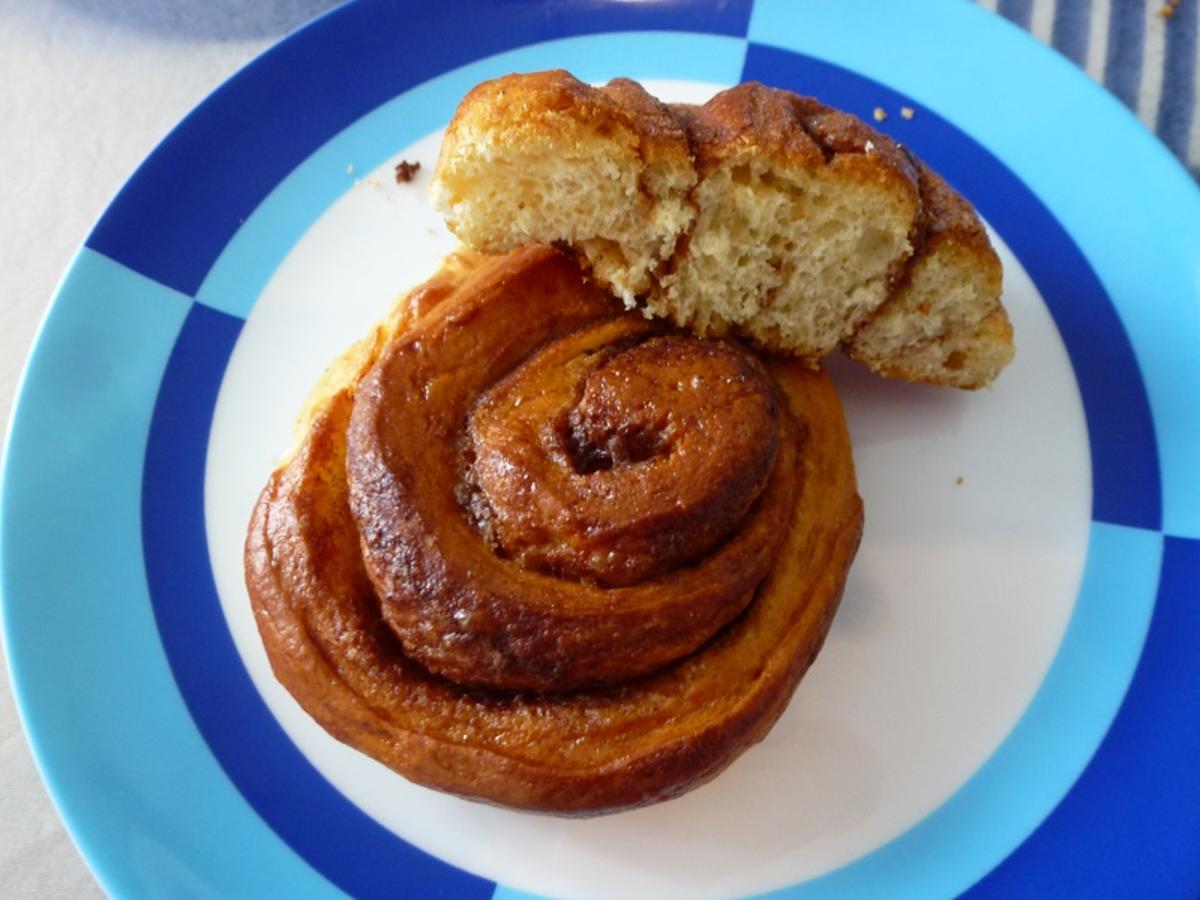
1009,701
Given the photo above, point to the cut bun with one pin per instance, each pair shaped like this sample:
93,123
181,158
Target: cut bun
761,213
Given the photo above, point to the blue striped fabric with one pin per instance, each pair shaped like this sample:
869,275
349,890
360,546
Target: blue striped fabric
1144,51
1018,11
1070,33
1126,34
1177,113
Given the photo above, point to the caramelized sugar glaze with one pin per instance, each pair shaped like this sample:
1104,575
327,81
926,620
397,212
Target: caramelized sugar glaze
539,551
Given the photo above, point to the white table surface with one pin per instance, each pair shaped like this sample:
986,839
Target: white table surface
87,87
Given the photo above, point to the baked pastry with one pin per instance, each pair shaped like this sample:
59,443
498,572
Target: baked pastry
535,550
761,213
943,322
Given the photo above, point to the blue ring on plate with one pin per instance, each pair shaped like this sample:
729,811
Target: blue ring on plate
177,244
259,758
1130,826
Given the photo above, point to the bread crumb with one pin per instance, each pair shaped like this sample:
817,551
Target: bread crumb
880,114
350,169
958,482
406,171
869,146
1167,10
907,112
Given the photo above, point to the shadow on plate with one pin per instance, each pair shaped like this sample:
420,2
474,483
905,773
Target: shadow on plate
883,410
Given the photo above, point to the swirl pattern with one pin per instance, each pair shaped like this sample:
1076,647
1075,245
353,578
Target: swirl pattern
542,552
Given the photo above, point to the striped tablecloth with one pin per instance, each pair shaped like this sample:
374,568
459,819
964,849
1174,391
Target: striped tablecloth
1144,51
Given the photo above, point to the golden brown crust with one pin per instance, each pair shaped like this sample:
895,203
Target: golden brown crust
473,615
774,132
554,105
948,215
578,753
604,413
755,120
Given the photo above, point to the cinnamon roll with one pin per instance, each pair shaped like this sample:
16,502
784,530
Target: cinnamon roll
536,550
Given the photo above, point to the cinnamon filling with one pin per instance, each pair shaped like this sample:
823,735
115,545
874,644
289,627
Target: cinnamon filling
618,463
605,517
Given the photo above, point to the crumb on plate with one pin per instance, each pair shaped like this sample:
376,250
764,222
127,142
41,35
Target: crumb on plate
406,171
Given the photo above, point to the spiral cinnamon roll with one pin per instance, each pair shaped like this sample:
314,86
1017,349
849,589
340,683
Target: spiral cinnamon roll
536,550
